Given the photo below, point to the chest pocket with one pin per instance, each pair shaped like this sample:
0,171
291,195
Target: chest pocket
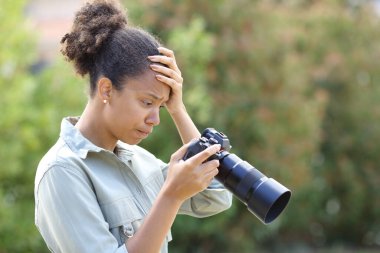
124,218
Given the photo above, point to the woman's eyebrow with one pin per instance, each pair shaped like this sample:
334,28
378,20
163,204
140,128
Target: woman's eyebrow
154,96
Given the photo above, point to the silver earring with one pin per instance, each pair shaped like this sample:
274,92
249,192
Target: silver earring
105,101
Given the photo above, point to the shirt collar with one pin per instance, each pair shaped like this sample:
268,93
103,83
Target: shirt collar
82,146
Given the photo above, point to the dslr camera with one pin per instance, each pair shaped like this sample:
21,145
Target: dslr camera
263,196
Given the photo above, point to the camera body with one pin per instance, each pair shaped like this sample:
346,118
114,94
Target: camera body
264,197
209,137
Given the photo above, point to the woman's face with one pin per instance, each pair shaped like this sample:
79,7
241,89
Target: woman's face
133,111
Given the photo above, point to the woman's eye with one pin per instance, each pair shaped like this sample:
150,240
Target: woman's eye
147,102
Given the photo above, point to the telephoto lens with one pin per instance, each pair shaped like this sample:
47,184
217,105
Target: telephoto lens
264,197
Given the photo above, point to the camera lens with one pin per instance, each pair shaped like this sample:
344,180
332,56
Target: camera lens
264,197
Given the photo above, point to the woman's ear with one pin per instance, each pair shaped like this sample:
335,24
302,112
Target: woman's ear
104,89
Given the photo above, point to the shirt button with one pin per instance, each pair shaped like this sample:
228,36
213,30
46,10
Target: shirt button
128,230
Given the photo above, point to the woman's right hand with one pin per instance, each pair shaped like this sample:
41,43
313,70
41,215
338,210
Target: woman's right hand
187,178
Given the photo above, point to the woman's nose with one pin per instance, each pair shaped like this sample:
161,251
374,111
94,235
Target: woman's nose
153,117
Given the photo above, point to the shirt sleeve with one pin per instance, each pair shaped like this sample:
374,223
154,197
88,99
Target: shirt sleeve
212,200
68,215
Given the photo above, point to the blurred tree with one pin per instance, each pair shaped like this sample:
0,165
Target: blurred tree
292,85
351,129
32,106
17,140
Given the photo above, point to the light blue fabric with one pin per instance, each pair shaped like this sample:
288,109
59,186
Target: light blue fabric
88,199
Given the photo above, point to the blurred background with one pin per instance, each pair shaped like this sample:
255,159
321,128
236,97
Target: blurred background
293,84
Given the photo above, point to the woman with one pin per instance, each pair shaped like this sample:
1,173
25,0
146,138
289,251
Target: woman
96,190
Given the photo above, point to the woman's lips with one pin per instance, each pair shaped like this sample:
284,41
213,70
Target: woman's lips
143,134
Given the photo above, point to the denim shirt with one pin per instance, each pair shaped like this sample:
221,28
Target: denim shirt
88,199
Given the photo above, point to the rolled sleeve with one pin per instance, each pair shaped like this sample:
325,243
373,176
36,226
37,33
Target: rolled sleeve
213,200
68,215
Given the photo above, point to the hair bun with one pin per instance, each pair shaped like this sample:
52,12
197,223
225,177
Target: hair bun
93,25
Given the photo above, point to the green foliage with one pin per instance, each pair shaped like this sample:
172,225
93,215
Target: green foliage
17,139
292,83
32,107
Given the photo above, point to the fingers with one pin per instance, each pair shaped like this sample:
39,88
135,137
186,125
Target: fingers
171,62
208,171
204,155
192,175
164,70
169,81
169,77
210,167
179,154
198,158
167,58
166,51
167,72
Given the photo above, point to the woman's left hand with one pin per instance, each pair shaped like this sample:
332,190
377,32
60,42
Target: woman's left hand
170,75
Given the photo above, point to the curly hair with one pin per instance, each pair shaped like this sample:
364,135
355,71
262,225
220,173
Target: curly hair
101,43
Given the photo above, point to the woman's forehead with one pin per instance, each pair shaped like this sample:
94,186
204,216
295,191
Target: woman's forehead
148,84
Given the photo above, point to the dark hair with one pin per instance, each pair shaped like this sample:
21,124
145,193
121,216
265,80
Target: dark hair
101,44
